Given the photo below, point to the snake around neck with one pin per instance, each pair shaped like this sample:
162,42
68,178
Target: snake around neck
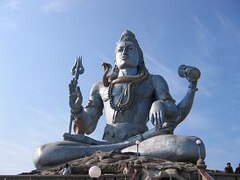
132,83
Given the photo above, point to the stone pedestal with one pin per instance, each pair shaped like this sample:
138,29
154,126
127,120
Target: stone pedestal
114,162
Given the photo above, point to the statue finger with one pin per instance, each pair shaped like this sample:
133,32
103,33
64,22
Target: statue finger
152,119
71,86
159,118
78,101
79,91
162,115
73,96
71,104
155,117
72,99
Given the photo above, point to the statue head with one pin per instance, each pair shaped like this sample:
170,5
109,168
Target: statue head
128,55
128,52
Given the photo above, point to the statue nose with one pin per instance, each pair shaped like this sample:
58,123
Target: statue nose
124,51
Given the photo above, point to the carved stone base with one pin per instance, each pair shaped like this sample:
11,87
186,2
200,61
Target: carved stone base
114,162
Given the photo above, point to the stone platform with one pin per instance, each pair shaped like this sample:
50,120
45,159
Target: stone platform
114,162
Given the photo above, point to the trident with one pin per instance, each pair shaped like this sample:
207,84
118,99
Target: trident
76,71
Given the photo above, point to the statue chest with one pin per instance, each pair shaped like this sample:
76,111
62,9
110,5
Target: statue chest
123,92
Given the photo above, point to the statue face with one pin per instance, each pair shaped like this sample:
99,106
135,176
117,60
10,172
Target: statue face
127,55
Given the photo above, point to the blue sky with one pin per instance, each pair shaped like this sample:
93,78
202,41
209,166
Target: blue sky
39,40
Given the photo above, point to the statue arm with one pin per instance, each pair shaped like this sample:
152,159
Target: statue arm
86,120
164,111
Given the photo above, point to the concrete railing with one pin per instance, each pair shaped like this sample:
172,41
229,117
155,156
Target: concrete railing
61,177
224,176
214,175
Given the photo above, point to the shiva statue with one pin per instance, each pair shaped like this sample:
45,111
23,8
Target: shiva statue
129,96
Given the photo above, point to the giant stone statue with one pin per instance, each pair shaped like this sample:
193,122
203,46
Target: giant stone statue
129,97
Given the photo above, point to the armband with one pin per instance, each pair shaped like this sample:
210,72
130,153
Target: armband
193,87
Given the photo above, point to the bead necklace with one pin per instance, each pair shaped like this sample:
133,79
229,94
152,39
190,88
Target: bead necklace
131,93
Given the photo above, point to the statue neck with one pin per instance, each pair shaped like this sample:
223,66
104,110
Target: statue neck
127,72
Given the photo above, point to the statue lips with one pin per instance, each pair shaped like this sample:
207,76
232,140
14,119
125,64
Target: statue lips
124,58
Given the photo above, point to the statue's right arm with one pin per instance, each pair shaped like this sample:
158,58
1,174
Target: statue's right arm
86,118
163,108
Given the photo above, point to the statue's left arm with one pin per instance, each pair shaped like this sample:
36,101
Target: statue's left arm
164,111
87,117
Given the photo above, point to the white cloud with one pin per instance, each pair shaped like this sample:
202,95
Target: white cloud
8,20
206,40
11,4
202,32
225,22
229,27
168,73
55,6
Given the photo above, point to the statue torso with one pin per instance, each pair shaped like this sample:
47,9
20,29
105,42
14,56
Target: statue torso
132,121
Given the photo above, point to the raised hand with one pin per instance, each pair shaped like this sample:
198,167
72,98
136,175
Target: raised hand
75,97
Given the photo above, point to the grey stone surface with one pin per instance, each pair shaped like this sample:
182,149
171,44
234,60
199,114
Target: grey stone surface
113,162
130,97
63,151
170,147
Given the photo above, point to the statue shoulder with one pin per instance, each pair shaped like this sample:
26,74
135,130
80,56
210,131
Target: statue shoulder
161,90
96,87
158,80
